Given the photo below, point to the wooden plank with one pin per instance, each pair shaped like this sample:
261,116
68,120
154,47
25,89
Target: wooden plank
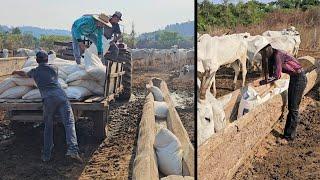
145,163
175,125
223,153
113,75
94,99
38,106
27,118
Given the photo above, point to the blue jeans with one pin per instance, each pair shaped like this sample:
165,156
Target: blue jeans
76,47
295,92
58,105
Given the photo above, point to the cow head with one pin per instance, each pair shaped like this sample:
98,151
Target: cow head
210,111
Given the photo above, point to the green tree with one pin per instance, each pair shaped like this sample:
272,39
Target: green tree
16,30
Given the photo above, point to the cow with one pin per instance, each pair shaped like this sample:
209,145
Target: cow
23,52
210,111
287,40
4,53
139,56
214,52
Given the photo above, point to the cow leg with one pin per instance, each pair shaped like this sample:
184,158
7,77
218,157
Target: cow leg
236,68
244,70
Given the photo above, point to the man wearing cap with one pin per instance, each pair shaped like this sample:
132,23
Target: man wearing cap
90,27
55,101
115,32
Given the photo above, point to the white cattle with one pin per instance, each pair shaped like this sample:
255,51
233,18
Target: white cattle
140,56
287,40
22,52
217,51
286,43
180,56
5,53
210,111
190,56
255,44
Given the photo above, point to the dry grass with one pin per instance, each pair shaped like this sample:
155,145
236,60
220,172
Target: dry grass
307,23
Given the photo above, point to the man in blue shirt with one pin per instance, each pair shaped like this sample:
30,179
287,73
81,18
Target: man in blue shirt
114,32
55,101
90,27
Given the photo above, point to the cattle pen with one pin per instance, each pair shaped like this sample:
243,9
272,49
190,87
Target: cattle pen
222,154
145,163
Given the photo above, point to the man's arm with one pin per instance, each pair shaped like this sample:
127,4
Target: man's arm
20,73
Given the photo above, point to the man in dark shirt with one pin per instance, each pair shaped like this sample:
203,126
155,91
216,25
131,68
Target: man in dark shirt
114,32
280,62
55,101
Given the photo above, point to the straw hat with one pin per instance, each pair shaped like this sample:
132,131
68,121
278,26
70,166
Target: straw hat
102,18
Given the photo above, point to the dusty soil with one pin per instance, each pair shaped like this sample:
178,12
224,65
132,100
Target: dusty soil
224,80
111,159
299,159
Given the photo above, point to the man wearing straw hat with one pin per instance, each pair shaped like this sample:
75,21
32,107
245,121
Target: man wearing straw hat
115,32
91,27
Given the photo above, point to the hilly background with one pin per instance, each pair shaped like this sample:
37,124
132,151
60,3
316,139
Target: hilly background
185,29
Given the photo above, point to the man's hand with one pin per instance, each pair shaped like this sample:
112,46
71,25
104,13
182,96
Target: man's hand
100,55
255,83
112,42
82,46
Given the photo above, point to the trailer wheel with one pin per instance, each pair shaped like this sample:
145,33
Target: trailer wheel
100,119
125,56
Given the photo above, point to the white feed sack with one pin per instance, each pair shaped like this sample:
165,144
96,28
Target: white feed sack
156,92
105,46
62,75
6,84
62,83
75,92
160,109
91,59
91,85
15,92
251,99
97,73
169,152
69,69
78,75
33,94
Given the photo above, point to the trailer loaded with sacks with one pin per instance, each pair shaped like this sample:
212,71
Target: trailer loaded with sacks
90,87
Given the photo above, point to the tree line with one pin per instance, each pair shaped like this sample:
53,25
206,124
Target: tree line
15,39
230,15
161,39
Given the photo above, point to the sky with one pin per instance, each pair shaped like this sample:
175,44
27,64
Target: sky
147,15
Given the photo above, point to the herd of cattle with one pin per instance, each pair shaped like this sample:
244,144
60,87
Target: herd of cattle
166,58
142,58
236,50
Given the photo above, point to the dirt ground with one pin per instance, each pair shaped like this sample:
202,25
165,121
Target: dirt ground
224,80
111,159
299,159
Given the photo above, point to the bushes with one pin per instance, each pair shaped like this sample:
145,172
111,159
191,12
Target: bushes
230,15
